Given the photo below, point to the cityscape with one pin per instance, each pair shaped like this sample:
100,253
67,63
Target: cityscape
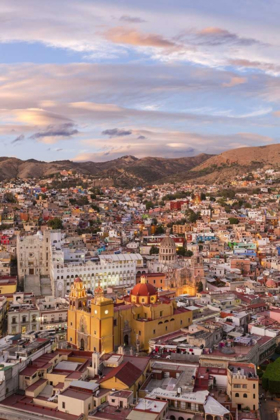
139,210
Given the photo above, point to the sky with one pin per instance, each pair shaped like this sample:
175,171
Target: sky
99,79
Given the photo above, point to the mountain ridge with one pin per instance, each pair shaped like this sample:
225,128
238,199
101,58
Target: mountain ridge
129,171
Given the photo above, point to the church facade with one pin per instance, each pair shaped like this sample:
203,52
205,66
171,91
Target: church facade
103,325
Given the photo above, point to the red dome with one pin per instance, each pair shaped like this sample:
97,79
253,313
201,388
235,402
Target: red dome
270,283
144,289
78,280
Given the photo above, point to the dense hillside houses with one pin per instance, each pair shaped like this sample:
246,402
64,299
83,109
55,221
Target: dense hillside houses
160,299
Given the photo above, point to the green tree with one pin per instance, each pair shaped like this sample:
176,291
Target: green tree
154,250
233,220
200,287
181,251
159,230
55,223
149,205
95,207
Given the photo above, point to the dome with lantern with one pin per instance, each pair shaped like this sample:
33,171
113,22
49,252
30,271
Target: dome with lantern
144,292
270,283
167,250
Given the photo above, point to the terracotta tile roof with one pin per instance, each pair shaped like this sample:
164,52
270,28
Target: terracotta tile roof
126,373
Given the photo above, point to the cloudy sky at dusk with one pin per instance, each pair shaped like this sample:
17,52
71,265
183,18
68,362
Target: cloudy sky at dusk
95,80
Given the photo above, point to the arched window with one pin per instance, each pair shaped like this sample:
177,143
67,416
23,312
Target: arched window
166,321
244,395
172,417
237,395
159,323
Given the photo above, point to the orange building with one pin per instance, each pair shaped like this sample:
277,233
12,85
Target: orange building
155,279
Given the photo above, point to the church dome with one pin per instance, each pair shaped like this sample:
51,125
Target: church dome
167,251
144,292
168,242
270,283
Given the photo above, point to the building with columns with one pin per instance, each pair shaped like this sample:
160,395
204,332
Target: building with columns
49,254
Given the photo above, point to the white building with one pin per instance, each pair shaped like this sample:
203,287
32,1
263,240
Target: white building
50,254
33,255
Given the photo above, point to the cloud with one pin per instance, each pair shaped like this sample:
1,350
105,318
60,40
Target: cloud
18,139
167,143
235,81
217,36
131,19
52,132
115,132
37,116
270,68
84,100
120,35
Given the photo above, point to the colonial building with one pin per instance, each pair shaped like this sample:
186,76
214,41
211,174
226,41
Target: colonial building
49,254
102,325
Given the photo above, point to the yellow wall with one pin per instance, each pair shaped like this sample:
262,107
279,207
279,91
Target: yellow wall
104,329
240,385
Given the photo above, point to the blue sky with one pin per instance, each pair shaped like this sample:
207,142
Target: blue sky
95,80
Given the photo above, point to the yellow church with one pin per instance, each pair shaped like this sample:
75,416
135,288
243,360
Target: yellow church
103,325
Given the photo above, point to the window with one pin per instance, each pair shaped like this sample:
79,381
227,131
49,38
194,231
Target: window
154,331
70,338
161,313
63,405
254,395
143,300
244,395
89,406
139,333
254,386
237,395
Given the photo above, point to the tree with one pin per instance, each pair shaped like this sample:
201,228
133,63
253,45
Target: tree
200,287
159,230
192,216
95,207
10,198
233,220
189,253
154,250
181,251
149,205
55,223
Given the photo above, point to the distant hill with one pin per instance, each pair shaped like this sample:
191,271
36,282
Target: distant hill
237,161
129,171
125,171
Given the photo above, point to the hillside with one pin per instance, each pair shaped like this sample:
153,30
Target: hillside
129,171
125,171
234,162
245,156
